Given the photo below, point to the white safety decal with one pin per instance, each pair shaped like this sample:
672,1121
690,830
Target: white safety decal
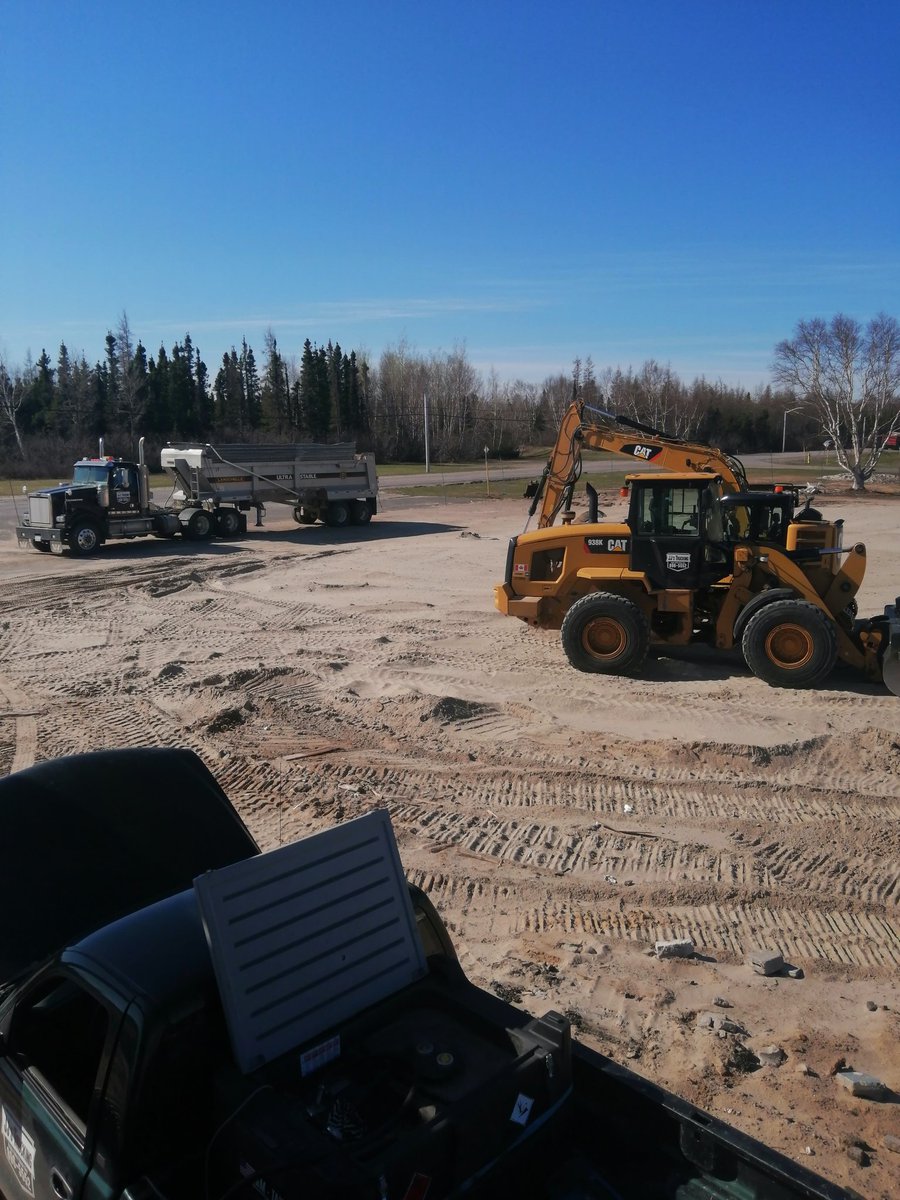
522,1109
19,1148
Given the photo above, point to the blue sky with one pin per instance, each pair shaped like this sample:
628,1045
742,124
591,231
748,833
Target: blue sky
673,180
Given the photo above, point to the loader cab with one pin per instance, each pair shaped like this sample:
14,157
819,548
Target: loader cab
678,536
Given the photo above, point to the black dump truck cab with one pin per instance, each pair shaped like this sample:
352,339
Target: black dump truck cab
107,498
182,1017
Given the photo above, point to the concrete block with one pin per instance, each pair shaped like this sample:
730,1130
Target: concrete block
766,962
859,1084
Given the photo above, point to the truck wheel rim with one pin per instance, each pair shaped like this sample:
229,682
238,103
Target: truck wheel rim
789,647
603,638
86,539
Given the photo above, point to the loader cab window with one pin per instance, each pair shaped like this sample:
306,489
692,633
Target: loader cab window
762,518
668,510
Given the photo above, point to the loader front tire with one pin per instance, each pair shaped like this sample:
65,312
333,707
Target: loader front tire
605,633
791,644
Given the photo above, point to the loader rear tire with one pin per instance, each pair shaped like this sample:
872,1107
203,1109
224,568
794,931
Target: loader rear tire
605,633
791,644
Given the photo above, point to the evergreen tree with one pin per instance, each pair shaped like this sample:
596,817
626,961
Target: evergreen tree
274,393
230,401
158,414
40,407
306,389
112,375
336,397
252,398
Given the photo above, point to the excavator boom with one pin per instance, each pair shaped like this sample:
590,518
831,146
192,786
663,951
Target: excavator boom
584,427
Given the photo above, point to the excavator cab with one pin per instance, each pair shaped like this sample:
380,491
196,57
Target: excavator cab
678,537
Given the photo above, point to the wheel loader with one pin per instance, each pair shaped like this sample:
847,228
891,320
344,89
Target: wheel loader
703,557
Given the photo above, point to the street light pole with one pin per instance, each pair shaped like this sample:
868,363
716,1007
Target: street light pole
787,413
427,448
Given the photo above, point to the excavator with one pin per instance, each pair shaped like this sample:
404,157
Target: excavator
704,557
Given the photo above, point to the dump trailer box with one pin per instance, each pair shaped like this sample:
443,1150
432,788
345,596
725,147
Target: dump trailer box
329,483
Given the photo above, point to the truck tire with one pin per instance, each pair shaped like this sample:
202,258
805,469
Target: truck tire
303,517
228,522
360,513
605,633
790,643
201,526
84,539
337,514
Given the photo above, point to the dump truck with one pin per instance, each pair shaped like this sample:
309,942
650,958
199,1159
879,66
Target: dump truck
213,489
703,557
183,1017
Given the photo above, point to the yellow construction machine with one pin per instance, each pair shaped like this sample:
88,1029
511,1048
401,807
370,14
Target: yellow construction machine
703,557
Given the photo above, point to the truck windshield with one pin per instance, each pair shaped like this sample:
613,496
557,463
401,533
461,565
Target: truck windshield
86,473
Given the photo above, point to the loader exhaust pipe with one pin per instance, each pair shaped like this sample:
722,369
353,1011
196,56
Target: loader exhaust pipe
593,503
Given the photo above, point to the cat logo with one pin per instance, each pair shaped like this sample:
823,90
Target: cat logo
678,562
606,545
639,450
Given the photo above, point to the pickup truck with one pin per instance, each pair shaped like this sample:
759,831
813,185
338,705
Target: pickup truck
185,1018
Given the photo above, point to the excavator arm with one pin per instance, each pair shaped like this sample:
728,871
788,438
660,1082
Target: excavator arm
584,427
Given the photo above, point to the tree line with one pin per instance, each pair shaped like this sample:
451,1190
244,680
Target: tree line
53,411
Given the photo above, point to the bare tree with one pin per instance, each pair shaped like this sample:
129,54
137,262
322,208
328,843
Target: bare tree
13,389
131,390
850,378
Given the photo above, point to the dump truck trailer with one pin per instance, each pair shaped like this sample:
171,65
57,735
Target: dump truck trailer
333,484
212,491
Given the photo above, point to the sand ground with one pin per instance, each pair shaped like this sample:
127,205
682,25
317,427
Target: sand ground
562,823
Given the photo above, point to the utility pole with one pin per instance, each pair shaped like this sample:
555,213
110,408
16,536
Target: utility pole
427,454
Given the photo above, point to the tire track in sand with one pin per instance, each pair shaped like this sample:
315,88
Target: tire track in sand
26,726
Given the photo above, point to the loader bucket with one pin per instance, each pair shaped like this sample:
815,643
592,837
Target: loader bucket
890,666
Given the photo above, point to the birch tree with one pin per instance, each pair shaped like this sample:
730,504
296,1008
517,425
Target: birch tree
850,378
13,390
